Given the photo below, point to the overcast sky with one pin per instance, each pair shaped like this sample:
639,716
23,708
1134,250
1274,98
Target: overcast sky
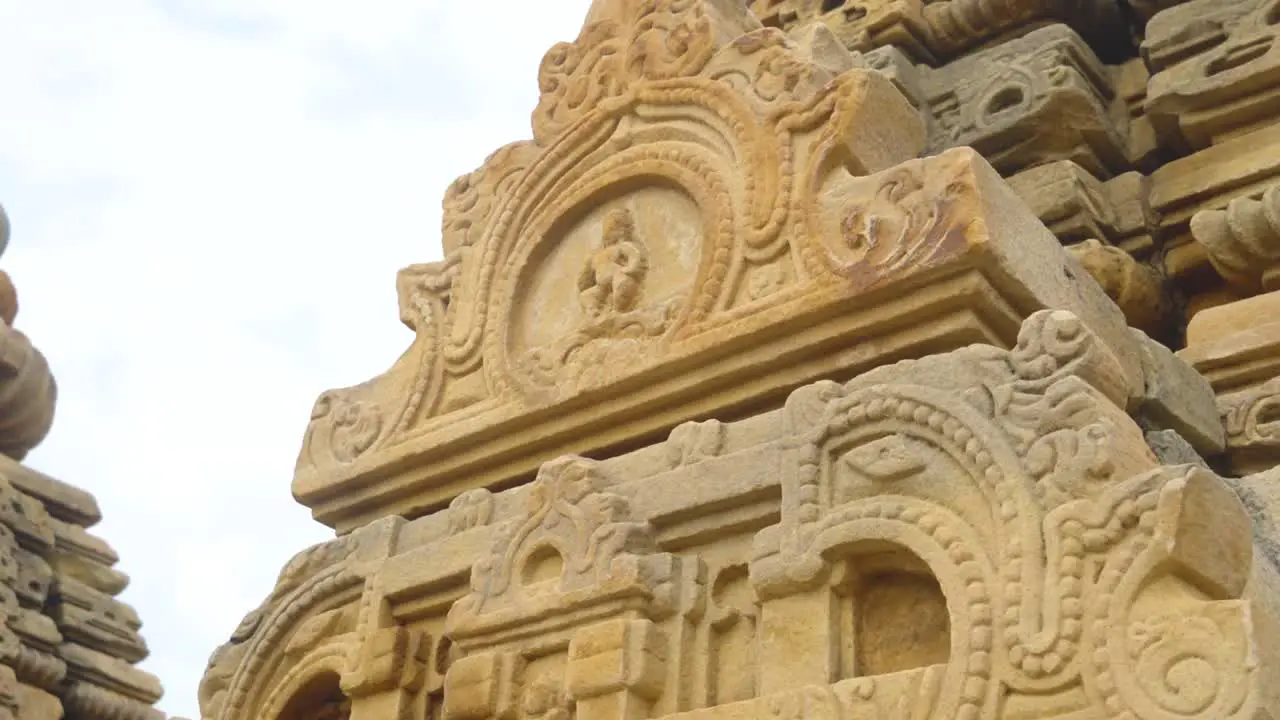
210,200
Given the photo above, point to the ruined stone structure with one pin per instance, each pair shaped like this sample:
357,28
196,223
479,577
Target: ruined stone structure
822,360
67,646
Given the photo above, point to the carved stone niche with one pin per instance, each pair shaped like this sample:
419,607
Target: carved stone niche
1219,70
696,228
563,618
1022,553
1040,98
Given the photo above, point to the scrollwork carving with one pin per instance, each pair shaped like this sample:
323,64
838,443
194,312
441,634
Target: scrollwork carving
1037,432
237,670
632,42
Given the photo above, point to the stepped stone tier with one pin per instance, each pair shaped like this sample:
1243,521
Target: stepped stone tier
822,360
67,645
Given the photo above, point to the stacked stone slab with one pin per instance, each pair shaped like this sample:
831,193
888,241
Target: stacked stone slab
811,361
68,646
1148,143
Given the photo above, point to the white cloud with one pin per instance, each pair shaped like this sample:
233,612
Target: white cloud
210,199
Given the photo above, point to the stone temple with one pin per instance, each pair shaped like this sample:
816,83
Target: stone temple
819,360
67,645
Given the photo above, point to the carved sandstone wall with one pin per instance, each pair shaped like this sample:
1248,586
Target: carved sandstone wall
787,371
67,646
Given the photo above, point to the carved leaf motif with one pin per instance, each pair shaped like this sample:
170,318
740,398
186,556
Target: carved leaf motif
566,509
909,218
636,42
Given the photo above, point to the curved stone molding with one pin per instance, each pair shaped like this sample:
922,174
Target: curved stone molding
982,533
246,674
27,394
938,30
680,202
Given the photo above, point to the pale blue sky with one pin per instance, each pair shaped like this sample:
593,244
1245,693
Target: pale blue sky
210,199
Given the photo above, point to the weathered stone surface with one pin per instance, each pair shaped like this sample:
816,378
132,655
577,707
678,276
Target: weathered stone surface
762,271
933,31
1243,240
37,704
1178,398
26,405
1143,148
1236,346
1252,419
1136,287
63,502
901,524
724,404
97,620
1076,206
1218,74
1040,98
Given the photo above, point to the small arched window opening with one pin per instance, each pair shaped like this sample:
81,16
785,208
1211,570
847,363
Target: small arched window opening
321,698
893,615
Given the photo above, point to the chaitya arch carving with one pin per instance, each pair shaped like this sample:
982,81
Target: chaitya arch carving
1034,502
789,201
317,623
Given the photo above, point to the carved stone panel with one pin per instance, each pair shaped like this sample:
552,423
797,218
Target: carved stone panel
1219,70
694,227
1040,98
979,533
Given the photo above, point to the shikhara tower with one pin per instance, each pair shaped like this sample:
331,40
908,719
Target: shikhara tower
801,365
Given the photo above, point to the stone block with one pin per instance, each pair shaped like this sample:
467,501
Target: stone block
63,502
1236,346
1178,398
617,656
1040,98
97,621
1219,71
